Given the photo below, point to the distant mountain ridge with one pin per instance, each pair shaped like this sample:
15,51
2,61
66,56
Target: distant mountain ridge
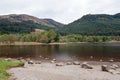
94,24
91,24
24,17
53,22
23,23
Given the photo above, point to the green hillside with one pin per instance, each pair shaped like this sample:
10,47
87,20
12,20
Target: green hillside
23,24
100,24
22,27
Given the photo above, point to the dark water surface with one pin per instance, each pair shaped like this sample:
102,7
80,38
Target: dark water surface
65,52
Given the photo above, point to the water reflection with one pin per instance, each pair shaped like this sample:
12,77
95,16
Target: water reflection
64,52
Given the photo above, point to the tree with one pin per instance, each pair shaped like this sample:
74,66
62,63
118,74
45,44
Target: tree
8,39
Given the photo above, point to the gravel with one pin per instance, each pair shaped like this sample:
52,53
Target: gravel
49,71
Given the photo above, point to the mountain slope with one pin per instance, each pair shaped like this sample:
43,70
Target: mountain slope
55,23
22,24
99,24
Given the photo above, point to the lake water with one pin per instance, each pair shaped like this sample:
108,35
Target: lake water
65,52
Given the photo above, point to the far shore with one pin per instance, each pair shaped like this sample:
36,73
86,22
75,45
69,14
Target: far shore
54,43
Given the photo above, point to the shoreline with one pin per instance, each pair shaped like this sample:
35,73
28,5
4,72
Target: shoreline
49,71
56,61
45,70
55,43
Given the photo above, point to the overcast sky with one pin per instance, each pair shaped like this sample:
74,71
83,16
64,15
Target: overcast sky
64,11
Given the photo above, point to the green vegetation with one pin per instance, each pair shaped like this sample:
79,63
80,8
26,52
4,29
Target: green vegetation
94,25
51,36
4,64
42,37
80,38
22,27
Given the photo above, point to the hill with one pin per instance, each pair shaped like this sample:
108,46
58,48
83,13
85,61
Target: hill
94,24
54,23
23,24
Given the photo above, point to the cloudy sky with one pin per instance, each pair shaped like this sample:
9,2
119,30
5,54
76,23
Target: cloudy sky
64,11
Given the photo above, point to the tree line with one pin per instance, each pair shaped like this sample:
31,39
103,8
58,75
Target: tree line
42,37
51,36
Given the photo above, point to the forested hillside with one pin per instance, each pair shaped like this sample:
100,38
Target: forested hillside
24,24
98,24
22,27
91,24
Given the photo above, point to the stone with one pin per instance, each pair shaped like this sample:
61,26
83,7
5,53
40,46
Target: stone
115,66
28,59
86,66
76,63
30,62
54,59
101,60
110,69
85,63
8,59
59,64
111,60
114,71
40,56
21,58
46,58
38,62
91,57
69,63
105,68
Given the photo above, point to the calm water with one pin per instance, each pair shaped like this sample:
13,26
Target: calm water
65,52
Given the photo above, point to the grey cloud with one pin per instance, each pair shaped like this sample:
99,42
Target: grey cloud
64,11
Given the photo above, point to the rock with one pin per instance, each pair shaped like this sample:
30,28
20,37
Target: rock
52,61
30,62
114,71
69,63
59,64
21,58
115,66
8,59
111,60
46,58
76,63
85,63
91,57
86,66
38,62
110,69
40,56
28,59
105,68
101,60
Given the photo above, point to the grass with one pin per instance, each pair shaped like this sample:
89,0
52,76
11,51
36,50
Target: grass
4,64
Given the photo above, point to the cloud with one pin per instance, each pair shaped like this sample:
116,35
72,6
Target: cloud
64,11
